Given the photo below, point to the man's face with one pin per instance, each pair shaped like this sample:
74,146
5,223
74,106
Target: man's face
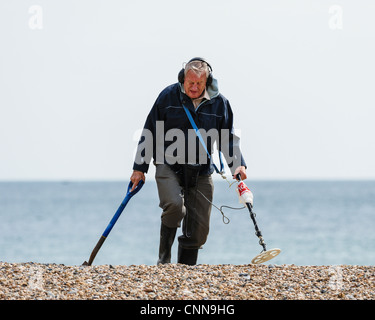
194,85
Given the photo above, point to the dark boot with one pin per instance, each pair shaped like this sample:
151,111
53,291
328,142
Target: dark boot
167,236
187,256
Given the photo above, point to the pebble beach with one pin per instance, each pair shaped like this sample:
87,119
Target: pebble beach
36,281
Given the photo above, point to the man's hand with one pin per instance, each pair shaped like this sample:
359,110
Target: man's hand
240,170
136,177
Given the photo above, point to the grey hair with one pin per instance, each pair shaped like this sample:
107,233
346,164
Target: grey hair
198,67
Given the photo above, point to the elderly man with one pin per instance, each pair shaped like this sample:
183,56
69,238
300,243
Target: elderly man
183,175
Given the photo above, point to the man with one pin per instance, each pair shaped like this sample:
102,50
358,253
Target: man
183,170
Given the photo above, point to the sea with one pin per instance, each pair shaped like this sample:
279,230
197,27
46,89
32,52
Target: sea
312,222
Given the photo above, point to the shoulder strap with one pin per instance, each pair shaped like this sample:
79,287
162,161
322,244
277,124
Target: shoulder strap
202,141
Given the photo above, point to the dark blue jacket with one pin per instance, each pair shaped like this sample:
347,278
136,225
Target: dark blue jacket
215,113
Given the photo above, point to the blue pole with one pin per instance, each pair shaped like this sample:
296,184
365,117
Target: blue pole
120,209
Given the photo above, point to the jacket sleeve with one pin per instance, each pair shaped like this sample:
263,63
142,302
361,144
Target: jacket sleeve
230,141
146,145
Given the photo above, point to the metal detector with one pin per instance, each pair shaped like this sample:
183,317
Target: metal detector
265,255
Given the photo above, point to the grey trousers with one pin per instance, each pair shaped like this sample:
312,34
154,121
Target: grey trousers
195,212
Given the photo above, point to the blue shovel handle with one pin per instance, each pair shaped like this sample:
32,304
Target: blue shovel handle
129,195
121,208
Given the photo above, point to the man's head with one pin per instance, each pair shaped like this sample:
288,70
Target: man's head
194,77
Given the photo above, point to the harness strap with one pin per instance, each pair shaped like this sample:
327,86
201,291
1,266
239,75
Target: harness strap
221,171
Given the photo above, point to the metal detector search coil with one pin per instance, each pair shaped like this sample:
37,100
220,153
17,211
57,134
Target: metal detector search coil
265,256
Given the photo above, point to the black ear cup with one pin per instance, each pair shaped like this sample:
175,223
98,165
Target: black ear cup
181,74
209,80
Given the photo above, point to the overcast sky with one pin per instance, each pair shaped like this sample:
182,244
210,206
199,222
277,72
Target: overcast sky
78,78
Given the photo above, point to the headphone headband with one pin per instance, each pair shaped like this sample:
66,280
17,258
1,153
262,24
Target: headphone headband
201,60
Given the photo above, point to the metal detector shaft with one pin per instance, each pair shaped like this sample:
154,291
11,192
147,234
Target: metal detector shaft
265,255
258,233
252,216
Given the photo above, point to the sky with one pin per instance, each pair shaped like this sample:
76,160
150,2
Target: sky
78,78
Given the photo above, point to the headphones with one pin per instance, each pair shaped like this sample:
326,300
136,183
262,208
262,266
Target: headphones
181,74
